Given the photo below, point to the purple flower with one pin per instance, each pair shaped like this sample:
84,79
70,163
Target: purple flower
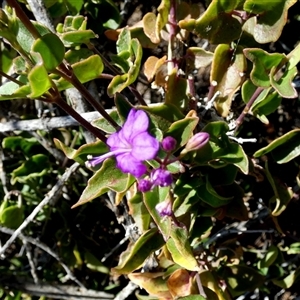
164,208
161,177
168,143
131,146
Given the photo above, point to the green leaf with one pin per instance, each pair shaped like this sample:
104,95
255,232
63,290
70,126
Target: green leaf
293,248
217,23
104,125
76,38
124,40
25,38
123,106
180,249
51,49
284,148
35,167
151,199
80,155
139,212
198,58
153,283
108,177
39,81
270,18
12,216
228,71
177,91
192,297
263,62
134,257
282,193
208,195
284,85
219,151
120,82
95,264
11,90
269,257
85,70
288,281
26,145
182,130
241,279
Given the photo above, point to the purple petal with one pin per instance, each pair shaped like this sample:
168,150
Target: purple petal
128,164
117,141
136,123
144,146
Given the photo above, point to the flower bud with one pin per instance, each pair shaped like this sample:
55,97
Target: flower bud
196,142
161,177
144,185
164,208
168,143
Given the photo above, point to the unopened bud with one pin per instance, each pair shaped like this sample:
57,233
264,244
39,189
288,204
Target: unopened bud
196,142
161,177
168,143
164,208
144,185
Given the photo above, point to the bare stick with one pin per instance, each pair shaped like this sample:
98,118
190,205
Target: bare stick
2,172
47,124
30,260
40,13
51,196
53,291
128,289
49,146
200,286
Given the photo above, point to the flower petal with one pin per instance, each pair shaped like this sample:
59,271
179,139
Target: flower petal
128,164
117,141
136,123
144,146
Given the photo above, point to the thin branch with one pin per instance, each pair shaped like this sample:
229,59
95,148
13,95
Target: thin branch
127,291
78,103
2,172
49,147
200,286
52,291
94,130
51,196
255,95
47,124
30,260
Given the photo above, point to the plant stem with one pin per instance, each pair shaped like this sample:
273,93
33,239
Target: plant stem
68,109
23,18
240,119
68,74
173,25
